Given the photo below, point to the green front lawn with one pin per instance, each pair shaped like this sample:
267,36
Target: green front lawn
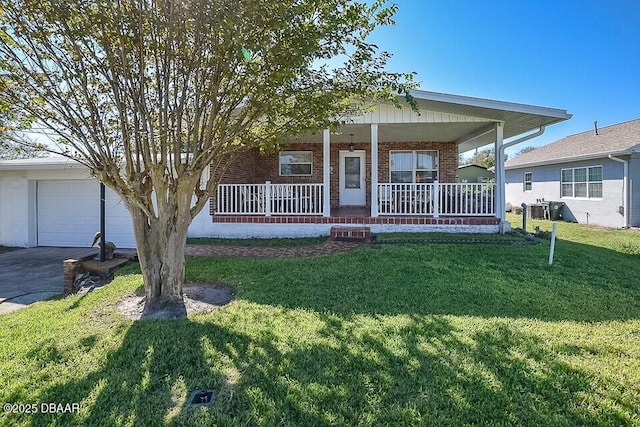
389,334
624,241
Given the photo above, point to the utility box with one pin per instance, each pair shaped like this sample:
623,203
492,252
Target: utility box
555,210
536,211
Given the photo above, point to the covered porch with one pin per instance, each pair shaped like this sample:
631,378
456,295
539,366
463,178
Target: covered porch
389,166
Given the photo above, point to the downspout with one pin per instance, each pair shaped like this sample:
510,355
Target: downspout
625,190
521,140
500,164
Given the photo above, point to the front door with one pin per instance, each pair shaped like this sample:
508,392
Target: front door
352,178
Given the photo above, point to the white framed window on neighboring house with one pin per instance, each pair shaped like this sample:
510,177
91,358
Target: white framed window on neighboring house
527,181
296,163
585,182
413,166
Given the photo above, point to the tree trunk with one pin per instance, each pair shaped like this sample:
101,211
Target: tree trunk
160,242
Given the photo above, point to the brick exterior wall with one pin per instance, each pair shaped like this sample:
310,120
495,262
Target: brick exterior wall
391,220
242,170
255,168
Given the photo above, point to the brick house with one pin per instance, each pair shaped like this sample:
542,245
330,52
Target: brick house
391,169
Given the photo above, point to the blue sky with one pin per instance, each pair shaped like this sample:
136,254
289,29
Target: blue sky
578,55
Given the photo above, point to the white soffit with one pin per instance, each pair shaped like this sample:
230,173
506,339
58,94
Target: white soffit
444,117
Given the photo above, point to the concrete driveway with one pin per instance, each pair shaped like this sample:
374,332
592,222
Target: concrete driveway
34,274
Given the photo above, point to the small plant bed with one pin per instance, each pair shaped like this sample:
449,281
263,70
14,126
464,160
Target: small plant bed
198,298
512,238
274,243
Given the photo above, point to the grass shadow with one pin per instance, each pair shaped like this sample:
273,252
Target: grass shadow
142,382
414,371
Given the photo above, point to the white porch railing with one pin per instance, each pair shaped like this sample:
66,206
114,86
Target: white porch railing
269,199
405,199
467,199
436,199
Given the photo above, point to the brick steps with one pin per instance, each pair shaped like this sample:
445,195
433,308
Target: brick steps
350,234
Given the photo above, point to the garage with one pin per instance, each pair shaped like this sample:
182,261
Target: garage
68,214
55,201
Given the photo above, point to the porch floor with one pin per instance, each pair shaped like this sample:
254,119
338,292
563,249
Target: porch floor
351,211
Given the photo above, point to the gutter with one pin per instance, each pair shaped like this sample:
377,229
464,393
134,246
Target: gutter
625,190
536,134
569,159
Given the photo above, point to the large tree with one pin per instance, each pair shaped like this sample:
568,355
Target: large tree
148,93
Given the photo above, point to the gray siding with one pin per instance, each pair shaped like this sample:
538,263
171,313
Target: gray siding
634,185
546,185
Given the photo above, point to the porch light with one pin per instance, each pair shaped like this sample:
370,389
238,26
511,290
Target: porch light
351,145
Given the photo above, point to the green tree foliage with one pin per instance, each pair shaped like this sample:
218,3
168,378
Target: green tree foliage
10,123
486,158
11,150
147,93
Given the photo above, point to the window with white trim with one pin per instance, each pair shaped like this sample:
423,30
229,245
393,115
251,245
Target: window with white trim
527,182
413,166
583,182
296,163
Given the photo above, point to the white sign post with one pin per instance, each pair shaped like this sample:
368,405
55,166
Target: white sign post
553,242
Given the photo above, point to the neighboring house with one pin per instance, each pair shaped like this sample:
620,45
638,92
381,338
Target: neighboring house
474,174
390,170
596,175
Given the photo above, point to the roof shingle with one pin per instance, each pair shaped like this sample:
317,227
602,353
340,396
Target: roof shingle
610,139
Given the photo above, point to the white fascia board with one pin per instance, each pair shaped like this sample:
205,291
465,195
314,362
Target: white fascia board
40,163
491,104
570,159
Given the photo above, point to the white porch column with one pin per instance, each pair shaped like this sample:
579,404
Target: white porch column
326,173
436,199
499,164
267,198
374,170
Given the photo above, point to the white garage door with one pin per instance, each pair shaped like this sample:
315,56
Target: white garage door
69,214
